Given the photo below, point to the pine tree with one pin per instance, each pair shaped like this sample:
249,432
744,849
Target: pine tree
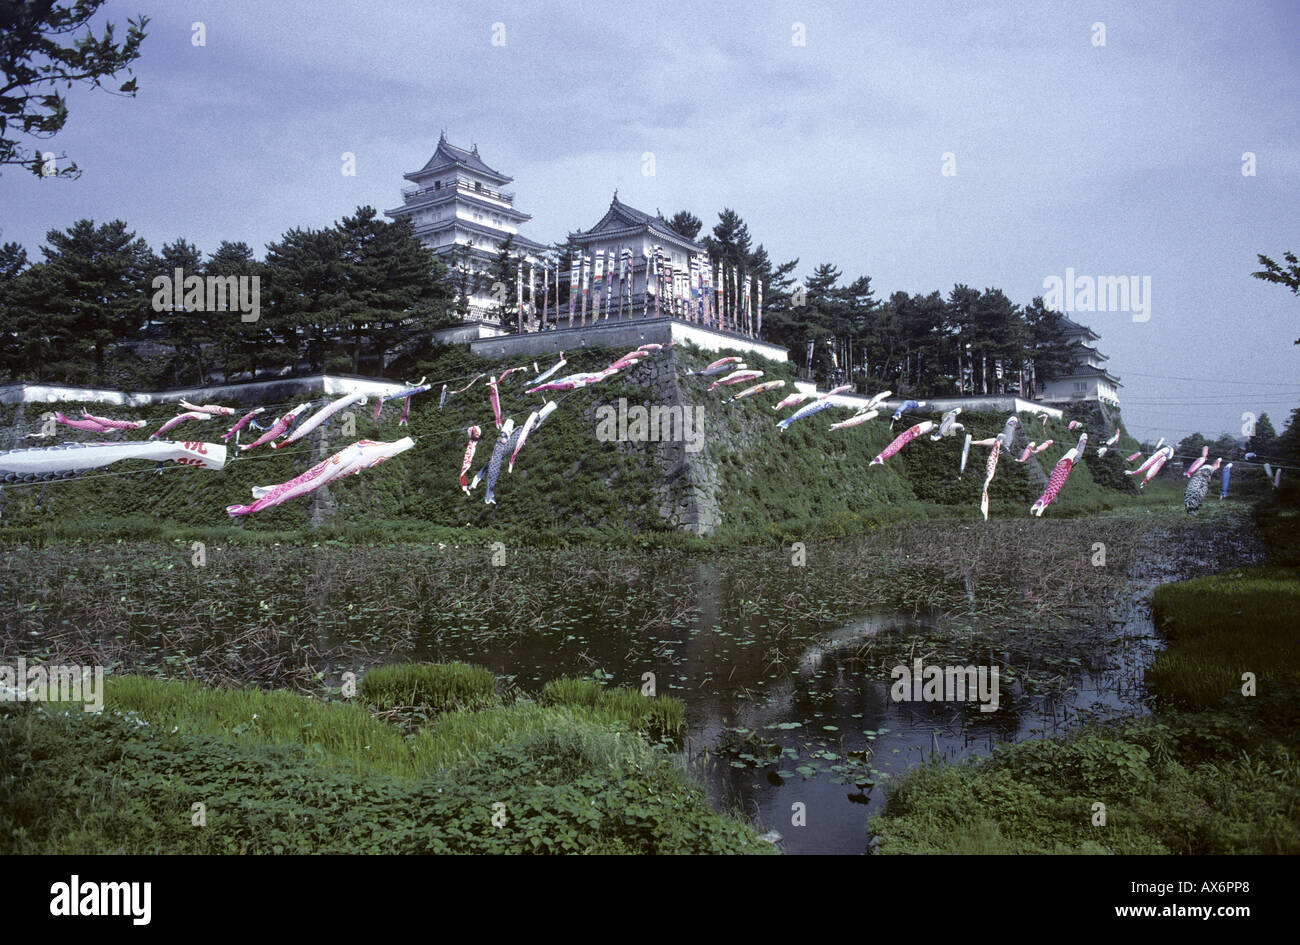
95,293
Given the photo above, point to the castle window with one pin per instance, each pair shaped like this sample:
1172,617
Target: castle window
437,185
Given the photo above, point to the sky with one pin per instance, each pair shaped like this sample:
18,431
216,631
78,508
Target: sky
921,144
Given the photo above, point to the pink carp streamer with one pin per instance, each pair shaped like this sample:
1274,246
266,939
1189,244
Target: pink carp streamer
1155,462
1058,477
791,400
177,421
243,422
212,409
93,424
907,436
756,389
854,420
363,454
632,357
276,428
452,393
717,367
508,371
1101,451
532,423
1074,424
1133,456
1043,417
475,434
320,416
1198,462
1033,448
494,396
736,377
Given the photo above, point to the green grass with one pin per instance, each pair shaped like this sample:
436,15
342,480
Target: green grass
662,716
437,686
276,772
1222,627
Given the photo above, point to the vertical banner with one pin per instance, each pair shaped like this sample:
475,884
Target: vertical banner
573,287
586,278
759,332
519,296
722,295
654,276
597,283
532,296
735,299
670,285
609,282
546,294
749,310
625,271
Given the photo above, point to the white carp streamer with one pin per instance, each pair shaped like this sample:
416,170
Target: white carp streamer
756,389
213,409
363,454
1153,465
355,398
948,425
532,423
854,420
69,459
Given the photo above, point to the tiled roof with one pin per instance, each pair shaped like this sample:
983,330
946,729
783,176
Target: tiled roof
620,215
450,154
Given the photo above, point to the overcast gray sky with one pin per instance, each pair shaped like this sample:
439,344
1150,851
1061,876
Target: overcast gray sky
1122,159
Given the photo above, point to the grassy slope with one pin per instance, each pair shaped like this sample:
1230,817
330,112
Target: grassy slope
805,482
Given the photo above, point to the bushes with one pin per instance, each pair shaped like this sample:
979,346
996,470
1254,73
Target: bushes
80,783
437,686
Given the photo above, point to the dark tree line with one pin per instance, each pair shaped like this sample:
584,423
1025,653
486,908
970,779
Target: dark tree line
339,298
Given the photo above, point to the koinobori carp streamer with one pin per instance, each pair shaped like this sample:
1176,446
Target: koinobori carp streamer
363,454
907,436
1057,479
69,459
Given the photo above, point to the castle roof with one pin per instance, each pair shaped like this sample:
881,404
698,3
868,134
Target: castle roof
448,155
622,219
